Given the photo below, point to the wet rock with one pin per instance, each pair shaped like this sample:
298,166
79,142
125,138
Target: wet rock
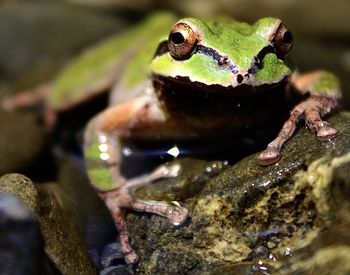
116,270
192,179
22,187
329,251
112,261
21,243
62,243
110,253
21,141
259,215
90,216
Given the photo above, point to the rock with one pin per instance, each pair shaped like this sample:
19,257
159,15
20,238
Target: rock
329,251
91,218
21,141
22,187
118,270
21,243
256,215
62,243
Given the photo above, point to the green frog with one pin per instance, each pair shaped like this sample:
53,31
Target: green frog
194,79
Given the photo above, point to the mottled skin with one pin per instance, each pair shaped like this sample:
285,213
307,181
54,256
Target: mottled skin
207,79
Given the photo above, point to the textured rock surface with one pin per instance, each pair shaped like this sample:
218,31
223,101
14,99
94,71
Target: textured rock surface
62,243
251,213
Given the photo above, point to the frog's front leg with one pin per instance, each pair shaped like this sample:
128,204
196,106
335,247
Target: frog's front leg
324,96
103,157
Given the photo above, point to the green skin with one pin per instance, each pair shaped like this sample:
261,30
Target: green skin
95,69
235,49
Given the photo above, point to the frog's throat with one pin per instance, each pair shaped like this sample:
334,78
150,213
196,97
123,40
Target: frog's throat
181,96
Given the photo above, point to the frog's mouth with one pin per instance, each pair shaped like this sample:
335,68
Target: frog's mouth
180,84
180,94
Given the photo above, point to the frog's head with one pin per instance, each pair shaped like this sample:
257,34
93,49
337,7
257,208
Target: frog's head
224,54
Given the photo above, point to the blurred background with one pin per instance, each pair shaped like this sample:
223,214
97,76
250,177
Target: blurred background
38,37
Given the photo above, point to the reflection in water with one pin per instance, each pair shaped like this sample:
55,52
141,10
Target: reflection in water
174,151
140,157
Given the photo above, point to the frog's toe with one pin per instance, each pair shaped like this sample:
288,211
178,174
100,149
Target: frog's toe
268,156
177,215
165,171
131,257
326,133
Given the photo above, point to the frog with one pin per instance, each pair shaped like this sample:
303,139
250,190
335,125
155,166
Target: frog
81,87
203,78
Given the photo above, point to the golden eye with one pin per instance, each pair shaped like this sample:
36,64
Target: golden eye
282,41
182,41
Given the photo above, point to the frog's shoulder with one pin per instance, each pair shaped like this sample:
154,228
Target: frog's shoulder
97,68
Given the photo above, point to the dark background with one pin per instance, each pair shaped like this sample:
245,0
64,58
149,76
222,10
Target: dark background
38,37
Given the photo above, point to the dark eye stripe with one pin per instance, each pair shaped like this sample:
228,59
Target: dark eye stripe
265,51
162,48
222,60
256,65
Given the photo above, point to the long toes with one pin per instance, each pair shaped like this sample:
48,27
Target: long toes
268,156
165,171
131,257
174,170
177,215
326,132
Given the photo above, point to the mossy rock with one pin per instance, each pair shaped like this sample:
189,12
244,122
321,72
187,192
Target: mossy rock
250,215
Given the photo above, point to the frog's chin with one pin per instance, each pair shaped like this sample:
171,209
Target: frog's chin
181,84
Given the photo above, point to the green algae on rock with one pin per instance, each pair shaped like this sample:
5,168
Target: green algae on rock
250,213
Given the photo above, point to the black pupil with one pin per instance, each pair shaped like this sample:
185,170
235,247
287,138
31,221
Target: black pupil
287,37
177,38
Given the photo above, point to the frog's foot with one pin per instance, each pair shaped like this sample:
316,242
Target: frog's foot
119,199
326,132
26,98
173,212
176,214
163,171
269,156
130,256
321,128
311,109
122,198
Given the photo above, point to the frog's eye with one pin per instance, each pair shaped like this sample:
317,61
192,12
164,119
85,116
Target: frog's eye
282,41
182,41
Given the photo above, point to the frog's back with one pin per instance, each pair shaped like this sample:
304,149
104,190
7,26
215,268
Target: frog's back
135,74
124,57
